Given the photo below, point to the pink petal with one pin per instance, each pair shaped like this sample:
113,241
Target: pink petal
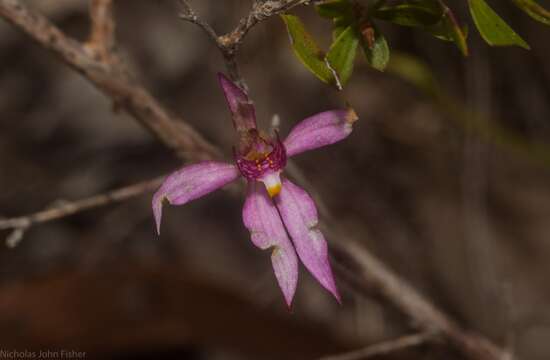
300,217
192,182
319,130
261,218
242,109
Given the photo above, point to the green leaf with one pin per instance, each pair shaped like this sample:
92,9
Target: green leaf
452,33
338,30
413,14
306,49
444,33
451,29
335,8
341,54
492,28
375,47
429,15
534,10
339,25
414,71
340,11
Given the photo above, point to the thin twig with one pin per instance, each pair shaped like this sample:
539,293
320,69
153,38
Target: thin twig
229,43
102,34
383,348
372,276
114,81
63,209
188,14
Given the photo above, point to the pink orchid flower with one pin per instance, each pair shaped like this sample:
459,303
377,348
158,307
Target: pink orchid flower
278,210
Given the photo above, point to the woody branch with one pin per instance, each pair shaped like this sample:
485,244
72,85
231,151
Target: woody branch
229,43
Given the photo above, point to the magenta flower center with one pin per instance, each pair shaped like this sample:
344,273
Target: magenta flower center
260,155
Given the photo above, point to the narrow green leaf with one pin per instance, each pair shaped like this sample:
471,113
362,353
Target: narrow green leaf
446,34
335,8
375,47
338,30
414,71
339,25
429,15
534,10
306,49
454,31
341,54
492,28
408,14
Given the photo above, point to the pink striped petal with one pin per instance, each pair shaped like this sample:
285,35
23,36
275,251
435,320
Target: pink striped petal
320,130
261,218
242,109
300,218
192,182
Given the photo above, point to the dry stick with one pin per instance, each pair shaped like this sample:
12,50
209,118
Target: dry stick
229,43
102,35
382,348
185,141
114,81
370,275
65,208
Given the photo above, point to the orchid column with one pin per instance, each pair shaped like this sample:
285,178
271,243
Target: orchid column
279,215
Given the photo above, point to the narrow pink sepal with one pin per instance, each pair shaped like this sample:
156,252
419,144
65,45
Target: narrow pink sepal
192,182
320,130
261,218
300,218
242,109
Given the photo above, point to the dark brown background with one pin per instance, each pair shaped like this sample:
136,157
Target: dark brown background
465,221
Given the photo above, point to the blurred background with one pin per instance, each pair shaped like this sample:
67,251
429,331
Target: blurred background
464,219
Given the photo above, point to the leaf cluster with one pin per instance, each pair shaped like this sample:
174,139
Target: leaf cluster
355,28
